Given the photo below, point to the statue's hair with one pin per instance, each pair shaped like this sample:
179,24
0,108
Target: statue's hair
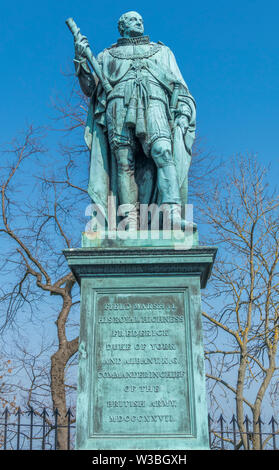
121,21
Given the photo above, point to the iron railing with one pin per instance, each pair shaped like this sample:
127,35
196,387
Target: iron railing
36,430
42,430
225,434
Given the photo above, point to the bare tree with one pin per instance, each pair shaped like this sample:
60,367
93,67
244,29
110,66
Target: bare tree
43,201
242,320
7,398
37,221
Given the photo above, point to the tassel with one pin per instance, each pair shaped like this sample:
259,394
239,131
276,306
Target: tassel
140,126
131,115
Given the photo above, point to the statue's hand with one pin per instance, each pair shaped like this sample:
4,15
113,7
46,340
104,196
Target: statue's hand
183,122
81,44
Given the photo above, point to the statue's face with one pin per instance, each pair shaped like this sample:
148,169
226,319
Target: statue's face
132,25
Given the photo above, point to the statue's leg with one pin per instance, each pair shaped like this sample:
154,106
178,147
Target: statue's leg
127,187
121,142
160,145
158,142
161,152
167,181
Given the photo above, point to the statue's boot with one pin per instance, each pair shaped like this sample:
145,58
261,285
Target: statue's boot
127,189
129,213
169,189
176,222
132,217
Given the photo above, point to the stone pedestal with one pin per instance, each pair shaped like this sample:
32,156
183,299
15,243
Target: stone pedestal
141,372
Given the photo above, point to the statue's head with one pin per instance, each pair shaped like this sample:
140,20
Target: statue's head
130,24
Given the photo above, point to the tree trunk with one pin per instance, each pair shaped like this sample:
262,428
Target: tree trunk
58,363
59,360
239,399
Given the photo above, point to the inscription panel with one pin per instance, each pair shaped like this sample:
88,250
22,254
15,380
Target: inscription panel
141,366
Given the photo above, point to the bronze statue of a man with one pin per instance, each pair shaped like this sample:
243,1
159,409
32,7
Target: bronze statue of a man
141,132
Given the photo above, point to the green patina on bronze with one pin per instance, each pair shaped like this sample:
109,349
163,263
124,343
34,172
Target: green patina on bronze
141,121
141,378
141,370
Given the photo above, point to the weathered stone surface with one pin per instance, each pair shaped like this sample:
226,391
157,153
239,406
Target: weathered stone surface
141,374
141,366
141,238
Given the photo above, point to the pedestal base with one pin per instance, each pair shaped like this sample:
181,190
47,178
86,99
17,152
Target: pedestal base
141,370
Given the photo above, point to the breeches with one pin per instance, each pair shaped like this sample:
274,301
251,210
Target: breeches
120,134
156,143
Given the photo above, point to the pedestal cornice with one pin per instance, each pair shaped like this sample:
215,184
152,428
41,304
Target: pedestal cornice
119,261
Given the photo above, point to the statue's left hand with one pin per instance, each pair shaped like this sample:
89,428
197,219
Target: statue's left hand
183,122
81,44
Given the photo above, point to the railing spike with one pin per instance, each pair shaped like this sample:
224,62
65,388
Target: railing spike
6,411
56,412
69,412
273,421
19,412
221,419
247,420
44,413
260,421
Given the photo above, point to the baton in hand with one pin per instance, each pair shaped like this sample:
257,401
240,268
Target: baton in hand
91,59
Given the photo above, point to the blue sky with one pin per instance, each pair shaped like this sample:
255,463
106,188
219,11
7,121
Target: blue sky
227,52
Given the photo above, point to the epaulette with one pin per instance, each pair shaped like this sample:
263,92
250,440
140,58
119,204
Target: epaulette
161,43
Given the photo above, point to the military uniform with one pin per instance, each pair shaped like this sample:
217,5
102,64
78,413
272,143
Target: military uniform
138,111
